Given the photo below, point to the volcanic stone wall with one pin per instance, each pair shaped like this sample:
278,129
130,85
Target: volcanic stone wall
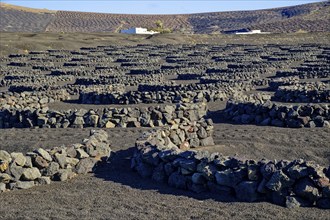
230,71
103,118
217,69
222,71
216,85
19,171
287,183
24,79
168,93
127,80
269,113
308,70
22,100
274,84
135,97
303,92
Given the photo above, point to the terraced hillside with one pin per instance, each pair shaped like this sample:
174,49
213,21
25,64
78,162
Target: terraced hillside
21,19
100,22
313,17
309,17
313,20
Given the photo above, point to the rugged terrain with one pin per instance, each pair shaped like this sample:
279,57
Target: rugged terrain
119,193
44,64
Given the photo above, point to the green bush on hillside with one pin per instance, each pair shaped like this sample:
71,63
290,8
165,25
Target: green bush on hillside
160,28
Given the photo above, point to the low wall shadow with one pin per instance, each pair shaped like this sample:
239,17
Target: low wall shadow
218,117
118,170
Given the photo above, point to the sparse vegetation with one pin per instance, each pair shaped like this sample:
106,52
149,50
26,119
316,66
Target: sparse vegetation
301,31
160,28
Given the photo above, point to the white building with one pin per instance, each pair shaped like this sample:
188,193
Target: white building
252,32
138,30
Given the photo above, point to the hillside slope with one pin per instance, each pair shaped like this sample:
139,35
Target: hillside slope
280,20
68,21
314,17
21,19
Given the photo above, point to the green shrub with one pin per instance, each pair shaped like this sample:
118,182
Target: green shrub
160,28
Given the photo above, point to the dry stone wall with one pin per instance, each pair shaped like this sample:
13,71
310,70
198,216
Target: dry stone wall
136,97
36,99
296,183
23,171
308,70
304,92
103,118
216,85
168,94
17,80
131,80
269,113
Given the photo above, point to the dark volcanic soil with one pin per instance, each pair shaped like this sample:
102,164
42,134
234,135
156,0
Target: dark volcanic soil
25,42
116,192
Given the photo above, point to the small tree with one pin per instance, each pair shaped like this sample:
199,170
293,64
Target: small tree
159,24
160,28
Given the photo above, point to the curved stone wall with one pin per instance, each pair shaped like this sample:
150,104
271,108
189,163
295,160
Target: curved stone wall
135,97
169,94
304,92
32,100
19,171
287,183
269,113
309,70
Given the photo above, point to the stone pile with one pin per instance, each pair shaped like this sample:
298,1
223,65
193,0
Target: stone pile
296,183
19,171
268,113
